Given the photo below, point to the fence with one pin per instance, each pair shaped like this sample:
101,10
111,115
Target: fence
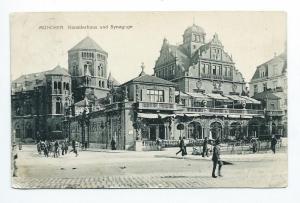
237,147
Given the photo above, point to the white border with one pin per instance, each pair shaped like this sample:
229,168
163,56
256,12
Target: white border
290,194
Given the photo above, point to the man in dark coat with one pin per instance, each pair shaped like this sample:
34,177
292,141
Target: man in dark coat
181,146
204,151
273,143
216,159
113,144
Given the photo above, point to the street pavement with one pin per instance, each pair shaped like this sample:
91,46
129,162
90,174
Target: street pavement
153,169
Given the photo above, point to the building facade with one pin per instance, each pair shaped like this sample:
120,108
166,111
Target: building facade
39,103
269,85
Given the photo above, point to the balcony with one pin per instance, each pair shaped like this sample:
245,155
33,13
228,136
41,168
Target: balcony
274,113
225,111
156,106
216,77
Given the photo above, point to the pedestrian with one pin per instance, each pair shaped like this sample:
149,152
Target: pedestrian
38,146
56,145
216,159
74,143
185,142
254,145
63,148
113,144
14,160
205,150
180,145
273,143
66,147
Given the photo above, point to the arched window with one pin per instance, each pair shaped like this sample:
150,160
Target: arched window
103,84
85,69
55,85
67,86
58,106
99,83
64,86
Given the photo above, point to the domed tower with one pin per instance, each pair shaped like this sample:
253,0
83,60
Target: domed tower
193,38
88,68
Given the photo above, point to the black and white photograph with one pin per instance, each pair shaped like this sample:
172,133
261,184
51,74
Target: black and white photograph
148,100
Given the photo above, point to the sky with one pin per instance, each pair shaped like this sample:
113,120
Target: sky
252,38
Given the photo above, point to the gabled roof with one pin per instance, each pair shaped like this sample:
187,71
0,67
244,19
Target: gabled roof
149,79
87,43
178,52
282,57
58,70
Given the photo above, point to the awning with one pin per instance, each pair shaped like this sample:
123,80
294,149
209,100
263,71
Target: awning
147,115
153,115
251,100
198,95
233,116
236,98
246,116
217,96
165,115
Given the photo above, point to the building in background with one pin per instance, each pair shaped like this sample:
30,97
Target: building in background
269,85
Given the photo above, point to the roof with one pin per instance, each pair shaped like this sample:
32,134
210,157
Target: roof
87,43
282,57
30,81
181,57
194,28
265,95
145,78
58,70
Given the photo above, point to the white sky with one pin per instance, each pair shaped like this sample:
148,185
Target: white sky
251,38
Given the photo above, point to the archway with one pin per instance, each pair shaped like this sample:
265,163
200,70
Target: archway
216,130
195,130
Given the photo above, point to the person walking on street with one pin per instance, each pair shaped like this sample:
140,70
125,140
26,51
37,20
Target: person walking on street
205,150
216,159
74,149
185,142
180,145
273,143
113,144
56,145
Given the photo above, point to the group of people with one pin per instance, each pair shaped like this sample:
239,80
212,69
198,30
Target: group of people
56,148
217,152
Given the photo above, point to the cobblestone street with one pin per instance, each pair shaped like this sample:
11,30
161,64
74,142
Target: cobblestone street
124,169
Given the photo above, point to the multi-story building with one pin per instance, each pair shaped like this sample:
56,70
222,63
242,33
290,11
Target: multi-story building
199,66
269,82
39,102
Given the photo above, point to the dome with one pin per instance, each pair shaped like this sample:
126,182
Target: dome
194,29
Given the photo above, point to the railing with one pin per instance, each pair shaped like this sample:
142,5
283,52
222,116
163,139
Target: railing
225,110
274,112
218,77
156,105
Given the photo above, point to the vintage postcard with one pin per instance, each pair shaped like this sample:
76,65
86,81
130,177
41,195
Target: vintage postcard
149,100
